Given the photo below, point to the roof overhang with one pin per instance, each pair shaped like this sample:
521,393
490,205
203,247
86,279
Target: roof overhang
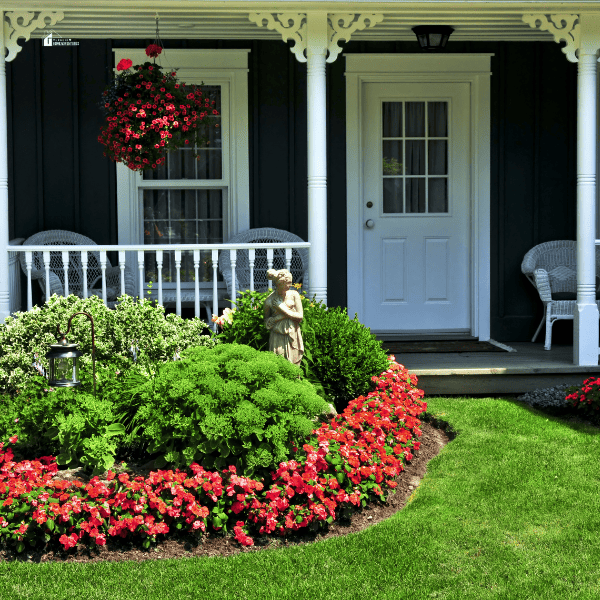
228,19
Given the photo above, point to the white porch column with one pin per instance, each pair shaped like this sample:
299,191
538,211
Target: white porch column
581,33
316,54
4,274
585,327
19,25
317,33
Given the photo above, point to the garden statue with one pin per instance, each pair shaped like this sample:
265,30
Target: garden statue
283,313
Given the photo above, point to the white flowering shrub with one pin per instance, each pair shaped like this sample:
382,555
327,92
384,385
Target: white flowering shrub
133,331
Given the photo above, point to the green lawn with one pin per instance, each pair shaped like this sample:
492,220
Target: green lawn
509,509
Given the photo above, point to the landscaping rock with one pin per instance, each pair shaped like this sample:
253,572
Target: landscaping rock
547,397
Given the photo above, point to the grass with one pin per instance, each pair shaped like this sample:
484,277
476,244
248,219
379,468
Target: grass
509,509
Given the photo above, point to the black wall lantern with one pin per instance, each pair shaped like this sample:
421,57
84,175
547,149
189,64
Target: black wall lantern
432,38
63,359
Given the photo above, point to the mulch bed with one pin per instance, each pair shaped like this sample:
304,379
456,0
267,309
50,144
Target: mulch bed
215,544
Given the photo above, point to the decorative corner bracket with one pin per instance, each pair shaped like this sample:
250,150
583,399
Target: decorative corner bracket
562,27
22,24
292,26
342,26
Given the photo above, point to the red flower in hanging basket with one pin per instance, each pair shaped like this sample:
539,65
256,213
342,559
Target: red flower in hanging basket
156,130
124,64
153,50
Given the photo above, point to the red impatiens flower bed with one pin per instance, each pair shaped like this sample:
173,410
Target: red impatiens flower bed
349,461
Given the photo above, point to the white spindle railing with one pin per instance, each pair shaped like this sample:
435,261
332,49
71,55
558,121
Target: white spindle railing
201,294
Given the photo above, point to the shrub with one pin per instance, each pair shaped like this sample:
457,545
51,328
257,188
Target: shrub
339,353
131,329
69,423
586,398
229,405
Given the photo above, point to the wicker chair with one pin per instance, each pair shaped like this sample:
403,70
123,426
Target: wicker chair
57,237
552,269
242,268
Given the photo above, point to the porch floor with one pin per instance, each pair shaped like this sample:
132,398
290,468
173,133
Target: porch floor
529,368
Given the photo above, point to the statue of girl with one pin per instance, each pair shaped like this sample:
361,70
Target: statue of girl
283,313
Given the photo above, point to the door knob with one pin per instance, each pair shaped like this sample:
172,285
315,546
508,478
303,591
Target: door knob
370,223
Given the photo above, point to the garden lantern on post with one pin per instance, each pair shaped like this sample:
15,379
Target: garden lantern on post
63,359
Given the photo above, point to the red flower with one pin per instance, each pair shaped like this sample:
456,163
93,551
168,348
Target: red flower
153,50
124,64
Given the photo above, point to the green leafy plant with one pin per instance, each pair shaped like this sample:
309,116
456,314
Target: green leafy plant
133,329
71,424
340,354
230,404
245,324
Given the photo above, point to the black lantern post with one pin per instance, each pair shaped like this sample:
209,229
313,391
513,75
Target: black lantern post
432,38
63,359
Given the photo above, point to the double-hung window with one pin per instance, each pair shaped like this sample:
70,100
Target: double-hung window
199,195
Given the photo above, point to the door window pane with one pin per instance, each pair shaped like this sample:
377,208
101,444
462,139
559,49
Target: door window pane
415,119
415,195
392,158
437,119
438,195
438,157
392,119
415,157
393,196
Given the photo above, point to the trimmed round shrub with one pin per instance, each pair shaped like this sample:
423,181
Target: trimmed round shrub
133,331
221,406
340,354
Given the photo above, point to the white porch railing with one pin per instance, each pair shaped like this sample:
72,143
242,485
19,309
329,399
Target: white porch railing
201,294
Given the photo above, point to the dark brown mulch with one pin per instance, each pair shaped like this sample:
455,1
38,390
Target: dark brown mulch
213,544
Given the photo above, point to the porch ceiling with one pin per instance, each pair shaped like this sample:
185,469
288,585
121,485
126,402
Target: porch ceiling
190,19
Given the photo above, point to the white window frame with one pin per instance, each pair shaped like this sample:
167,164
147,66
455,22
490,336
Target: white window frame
229,69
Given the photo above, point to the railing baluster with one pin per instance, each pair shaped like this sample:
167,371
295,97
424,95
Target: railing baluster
46,255
28,262
122,267
103,268
273,257
251,258
197,284
84,268
141,273
215,263
233,260
178,280
159,265
65,260
270,264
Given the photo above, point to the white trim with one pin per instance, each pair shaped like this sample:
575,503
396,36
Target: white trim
473,69
229,69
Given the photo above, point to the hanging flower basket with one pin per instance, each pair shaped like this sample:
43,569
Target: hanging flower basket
149,113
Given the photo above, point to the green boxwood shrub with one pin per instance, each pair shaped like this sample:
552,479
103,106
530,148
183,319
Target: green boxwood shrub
228,405
340,353
26,337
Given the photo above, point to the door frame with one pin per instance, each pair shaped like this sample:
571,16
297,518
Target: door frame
473,69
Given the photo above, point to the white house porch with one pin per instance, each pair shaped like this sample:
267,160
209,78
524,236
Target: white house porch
317,30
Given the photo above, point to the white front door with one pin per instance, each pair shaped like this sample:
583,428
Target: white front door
416,207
